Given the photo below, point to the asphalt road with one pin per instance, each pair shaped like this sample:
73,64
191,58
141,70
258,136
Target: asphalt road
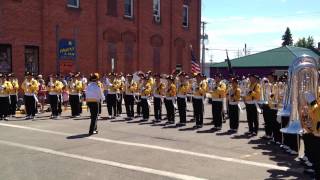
60,149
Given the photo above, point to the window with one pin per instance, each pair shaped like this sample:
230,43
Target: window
31,54
112,8
73,3
185,16
128,8
156,10
5,58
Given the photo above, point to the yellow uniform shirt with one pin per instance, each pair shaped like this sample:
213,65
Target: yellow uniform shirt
30,87
254,93
219,91
15,87
5,88
234,95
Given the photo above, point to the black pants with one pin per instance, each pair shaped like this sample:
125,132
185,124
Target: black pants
53,99
198,110
170,109
266,112
138,105
83,96
30,104
129,103
119,103
275,125
182,105
13,104
112,104
74,101
4,107
252,116
233,116
145,108
313,146
217,113
289,140
157,105
93,107
59,104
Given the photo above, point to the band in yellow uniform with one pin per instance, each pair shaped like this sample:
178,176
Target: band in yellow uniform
13,94
75,89
158,94
55,89
233,104
30,88
146,92
112,90
183,89
218,94
5,89
137,96
251,99
130,89
199,91
171,92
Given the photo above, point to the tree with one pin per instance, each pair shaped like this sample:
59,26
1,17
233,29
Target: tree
305,42
287,38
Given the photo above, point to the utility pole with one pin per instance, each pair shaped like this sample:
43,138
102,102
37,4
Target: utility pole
245,49
203,38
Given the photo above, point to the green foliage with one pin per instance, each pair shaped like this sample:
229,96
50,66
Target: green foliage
287,38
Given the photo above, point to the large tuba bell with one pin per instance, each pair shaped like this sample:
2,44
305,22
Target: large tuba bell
303,77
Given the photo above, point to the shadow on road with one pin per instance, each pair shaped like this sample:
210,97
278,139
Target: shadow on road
79,136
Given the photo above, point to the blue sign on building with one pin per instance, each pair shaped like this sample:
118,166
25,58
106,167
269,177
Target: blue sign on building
67,49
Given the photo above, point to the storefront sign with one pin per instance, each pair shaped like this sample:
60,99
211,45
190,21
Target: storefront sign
67,49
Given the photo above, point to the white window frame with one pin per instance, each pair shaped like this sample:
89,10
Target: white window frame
158,15
73,6
131,15
185,7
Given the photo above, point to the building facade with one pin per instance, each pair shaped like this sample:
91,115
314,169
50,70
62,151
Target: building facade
45,36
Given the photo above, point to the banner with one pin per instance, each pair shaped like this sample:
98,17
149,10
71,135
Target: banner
67,49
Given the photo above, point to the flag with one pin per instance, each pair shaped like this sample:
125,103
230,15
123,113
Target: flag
229,64
195,67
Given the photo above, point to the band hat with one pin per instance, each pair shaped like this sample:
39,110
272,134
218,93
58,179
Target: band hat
170,77
182,74
129,75
2,75
218,75
254,75
28,74
94,77
157,75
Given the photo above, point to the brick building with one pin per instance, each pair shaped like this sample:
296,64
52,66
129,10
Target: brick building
46,36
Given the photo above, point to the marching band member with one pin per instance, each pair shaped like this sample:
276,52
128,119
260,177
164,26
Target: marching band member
158,94
145,94
137,95
183,89
250,100
30,88
266,87
130,89
273,100
120,93
13,94
113,89
199,92
311,134
94,96
55,88
218,94
5,89
169,99
233,104
75,88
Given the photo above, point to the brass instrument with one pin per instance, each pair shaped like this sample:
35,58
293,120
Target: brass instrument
304,78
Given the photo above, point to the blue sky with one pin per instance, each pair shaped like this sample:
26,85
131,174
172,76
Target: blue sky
258,23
